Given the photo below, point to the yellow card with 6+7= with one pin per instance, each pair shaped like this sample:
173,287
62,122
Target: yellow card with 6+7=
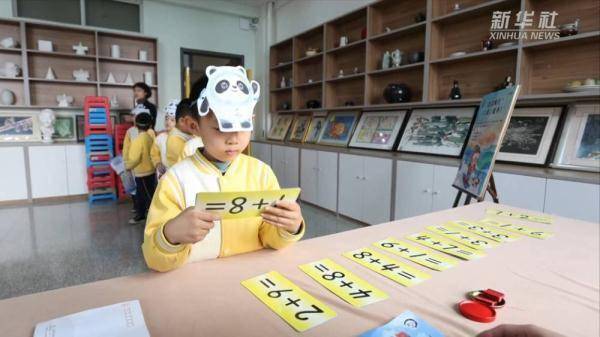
243,204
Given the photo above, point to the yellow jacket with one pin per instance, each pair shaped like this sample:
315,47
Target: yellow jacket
158,153
177,191
175,143
138,155
190,148
130,135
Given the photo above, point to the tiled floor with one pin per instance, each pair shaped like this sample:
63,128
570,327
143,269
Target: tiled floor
45,247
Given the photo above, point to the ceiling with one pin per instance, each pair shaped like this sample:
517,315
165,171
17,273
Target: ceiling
254,3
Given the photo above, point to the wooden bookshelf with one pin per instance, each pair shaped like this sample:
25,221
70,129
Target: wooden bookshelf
542,67
33,90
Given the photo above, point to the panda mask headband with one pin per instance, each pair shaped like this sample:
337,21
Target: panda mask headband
230,96
171,108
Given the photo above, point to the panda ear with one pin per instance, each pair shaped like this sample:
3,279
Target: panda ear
202,103
242,70
255,89
210,70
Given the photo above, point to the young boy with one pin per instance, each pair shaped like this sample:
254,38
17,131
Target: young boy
138,160
176,232
186,125
159,148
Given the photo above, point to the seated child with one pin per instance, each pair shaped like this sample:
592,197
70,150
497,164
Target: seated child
176,232
159,148
138,160
186,122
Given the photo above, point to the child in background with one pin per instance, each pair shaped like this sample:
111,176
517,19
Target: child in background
141,94
176,232
195,143
186,125
138,160
159,148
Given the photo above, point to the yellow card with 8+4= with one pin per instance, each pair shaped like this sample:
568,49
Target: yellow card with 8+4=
244,204
298,308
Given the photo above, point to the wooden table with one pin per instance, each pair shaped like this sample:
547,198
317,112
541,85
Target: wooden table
552,283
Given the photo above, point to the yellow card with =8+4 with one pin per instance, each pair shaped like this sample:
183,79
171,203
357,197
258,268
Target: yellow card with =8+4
515,228
467,238
343,283
445,245
416,254
298,308
489,232
388,267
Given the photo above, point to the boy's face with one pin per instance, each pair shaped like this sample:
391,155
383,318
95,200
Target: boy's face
222,146
188,125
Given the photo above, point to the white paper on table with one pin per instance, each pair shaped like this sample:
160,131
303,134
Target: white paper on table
118,320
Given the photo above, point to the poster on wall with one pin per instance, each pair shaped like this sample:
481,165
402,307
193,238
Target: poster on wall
338,128
579,146
299,128
529,135
477,162
437,131
280,127
314,129
64,128
378,130
19,127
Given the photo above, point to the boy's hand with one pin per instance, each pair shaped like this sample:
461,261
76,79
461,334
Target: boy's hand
286,215
190,226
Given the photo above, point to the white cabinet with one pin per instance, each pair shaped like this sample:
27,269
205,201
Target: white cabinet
76,169
364,191
284,161
520,191
442,190
262,151
48,167
318,178
573,199
13,175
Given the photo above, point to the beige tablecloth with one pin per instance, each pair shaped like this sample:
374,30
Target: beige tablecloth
552,283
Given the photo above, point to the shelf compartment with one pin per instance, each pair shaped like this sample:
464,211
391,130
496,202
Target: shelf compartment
352,25
44,94
310,69
129,46
62,38
444,9
120,71
304,94
11,29
412,77
586,10
395,15
409,42
476,76
125,60
313,38
278,98
16,87
282,53
546,69
346,60
277,74
63,81
337,93
63,67
59,54
11,57
466,34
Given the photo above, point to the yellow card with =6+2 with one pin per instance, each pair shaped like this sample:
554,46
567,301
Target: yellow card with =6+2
298,308
489,232
416,254
520,229
388,267
445,245
467,238
343,283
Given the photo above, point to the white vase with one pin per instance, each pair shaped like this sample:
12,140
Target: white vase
115,51
148,78
143,55
7,97
50,74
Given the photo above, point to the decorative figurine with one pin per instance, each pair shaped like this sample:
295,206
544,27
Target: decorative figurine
506,84
114,101
128,79
115,51
385,60
143,55
343,41
396,93
80,49
569,29
455,91
341,73
81,75
9,42
420,17
47,118
111,78
397,56
387,29
456,7
286,106
7,97
64,100
311,52
355,70
11,70
313,104
487,44
50,74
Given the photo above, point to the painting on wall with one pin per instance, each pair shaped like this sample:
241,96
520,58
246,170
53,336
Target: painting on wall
477,161
579,146
300,128
280,127
338,128
529,135
64,128
378,130
314,129
437,131
19,127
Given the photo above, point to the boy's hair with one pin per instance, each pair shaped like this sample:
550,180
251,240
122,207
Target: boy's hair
143,121
197,88
184,108
144,87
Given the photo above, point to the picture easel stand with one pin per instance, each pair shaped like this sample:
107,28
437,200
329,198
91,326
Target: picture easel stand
491,189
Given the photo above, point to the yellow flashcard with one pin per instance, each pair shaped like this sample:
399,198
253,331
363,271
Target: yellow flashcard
343,283
245,204
294,305
416,254
445,245
388,267
461,236
520,229
545,219
489,232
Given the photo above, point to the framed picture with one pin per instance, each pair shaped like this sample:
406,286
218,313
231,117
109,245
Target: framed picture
579,146
80,122
378,130
64,128
529,135
338,128
314,129
299,128
19,127
437,131
477,161
280,127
